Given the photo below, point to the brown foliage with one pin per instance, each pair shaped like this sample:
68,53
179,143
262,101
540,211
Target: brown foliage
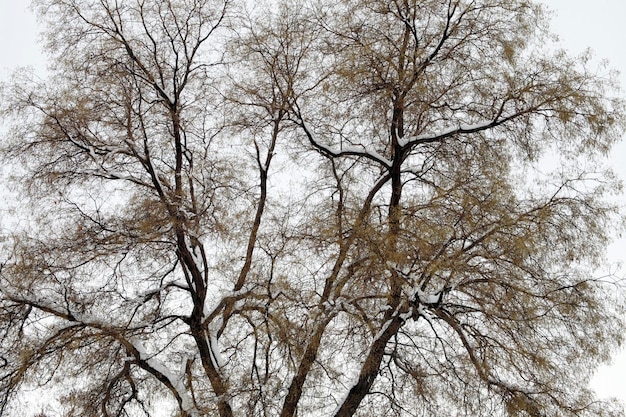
309,208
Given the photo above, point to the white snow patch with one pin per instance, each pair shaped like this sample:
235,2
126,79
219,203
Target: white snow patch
428,298
177,381
216,354
462,128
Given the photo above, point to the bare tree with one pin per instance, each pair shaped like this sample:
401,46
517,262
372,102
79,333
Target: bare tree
309,209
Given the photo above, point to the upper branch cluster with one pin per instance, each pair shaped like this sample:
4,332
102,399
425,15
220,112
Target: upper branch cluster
308,208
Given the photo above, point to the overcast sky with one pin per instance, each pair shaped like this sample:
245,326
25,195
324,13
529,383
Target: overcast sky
599,25
580,24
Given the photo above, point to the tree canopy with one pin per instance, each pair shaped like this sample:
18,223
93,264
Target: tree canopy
309,208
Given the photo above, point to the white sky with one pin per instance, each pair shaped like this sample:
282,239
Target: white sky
580,24
599,25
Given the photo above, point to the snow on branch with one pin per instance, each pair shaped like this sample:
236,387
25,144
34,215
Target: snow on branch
458,130
174,382
464,129
359,151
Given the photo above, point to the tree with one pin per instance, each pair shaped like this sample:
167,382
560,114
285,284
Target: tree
309,209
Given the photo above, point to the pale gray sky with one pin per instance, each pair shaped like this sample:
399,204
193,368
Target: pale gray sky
18,36
599,25
579,23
